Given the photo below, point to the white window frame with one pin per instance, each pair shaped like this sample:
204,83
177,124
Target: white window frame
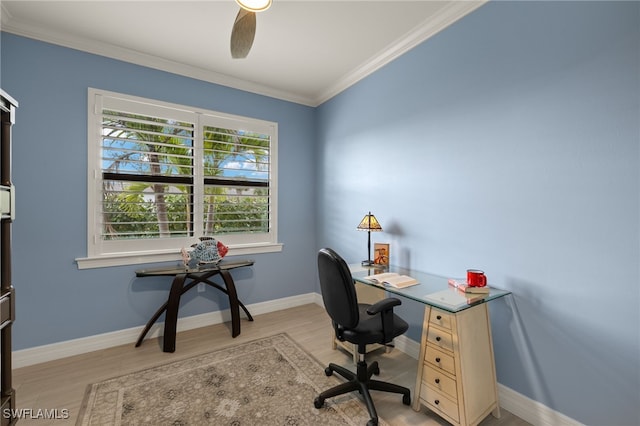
102,253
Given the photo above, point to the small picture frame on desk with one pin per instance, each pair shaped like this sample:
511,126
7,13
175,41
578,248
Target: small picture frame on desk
381,254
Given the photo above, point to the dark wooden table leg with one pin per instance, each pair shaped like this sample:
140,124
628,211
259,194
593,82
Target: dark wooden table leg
246,311
162,309
171,317
234,305
224,290
150,323
172,305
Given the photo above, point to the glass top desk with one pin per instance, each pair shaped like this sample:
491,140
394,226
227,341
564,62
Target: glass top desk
456,375
433,290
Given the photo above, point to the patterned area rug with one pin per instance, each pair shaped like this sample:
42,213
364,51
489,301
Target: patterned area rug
270,381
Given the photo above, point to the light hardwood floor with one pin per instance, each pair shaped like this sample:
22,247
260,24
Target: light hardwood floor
61,384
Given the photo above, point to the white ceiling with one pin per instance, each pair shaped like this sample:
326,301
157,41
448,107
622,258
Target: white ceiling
304,51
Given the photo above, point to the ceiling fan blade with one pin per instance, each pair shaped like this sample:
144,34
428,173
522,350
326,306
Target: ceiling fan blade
243,33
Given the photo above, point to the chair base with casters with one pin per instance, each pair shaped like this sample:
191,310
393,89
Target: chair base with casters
361,381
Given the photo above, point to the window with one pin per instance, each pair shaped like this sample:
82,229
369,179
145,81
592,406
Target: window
162,175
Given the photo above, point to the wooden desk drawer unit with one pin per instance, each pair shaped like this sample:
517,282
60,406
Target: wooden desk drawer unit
439,338
440,359
438,380
441,319
456,373
439,403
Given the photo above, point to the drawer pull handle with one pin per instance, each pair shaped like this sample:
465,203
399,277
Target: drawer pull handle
437,359
437,381
439,317
437,401
438,339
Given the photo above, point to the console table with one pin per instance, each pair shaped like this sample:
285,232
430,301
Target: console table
456,370
184,280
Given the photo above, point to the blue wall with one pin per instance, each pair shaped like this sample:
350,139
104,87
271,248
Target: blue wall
510,142
56,301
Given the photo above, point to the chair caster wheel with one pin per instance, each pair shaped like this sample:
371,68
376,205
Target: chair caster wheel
328,371
372,422
376,371
406,399
318,402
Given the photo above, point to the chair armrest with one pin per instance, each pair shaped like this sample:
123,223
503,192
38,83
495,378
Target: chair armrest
385,309
383,305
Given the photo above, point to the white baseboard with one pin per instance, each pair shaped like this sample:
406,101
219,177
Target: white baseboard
527,409
532,411
408,346
44,353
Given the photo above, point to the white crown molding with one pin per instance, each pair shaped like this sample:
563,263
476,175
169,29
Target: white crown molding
16,27
445,17
449,14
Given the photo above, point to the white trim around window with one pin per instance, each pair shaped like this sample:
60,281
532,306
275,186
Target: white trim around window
216,175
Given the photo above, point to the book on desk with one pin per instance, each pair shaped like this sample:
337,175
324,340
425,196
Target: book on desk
393,279
461,284
452,298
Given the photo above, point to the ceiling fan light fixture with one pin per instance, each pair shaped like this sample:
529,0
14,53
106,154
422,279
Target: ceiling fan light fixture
254,5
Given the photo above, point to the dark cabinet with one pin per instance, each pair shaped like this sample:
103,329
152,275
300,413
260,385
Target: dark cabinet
7,295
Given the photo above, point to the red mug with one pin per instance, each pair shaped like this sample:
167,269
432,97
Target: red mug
476,278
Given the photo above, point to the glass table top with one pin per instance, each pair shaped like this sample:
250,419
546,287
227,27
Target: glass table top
202,268
432,289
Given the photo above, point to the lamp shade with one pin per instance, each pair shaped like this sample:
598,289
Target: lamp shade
369,223
254,5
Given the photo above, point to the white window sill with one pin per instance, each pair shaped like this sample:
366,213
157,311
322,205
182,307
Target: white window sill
121,259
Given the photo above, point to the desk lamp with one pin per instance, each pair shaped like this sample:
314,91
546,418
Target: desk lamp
370,224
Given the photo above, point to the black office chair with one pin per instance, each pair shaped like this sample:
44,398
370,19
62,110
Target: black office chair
359,324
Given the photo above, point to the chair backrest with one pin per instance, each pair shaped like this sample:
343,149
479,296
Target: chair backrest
338,290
